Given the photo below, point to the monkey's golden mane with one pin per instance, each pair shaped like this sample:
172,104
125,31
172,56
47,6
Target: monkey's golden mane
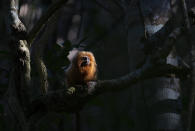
77,74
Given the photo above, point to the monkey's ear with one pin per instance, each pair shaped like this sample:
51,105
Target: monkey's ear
72,54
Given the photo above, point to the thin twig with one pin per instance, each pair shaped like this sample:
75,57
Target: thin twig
118,4
185,13
38,26
106,9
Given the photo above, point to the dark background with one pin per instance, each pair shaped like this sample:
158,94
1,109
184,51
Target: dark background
112,30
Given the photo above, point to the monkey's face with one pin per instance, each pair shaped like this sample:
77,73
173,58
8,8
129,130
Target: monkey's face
84,64
83,68
84,61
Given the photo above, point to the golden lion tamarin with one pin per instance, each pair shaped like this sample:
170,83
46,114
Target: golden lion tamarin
83,68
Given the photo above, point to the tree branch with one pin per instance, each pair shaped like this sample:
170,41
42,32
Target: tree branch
44,18
17,96
185,14
21,52
42,70
74,98
192,14
38,52
191,93
105,8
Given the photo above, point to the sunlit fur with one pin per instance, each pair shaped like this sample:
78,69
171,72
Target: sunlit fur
77,74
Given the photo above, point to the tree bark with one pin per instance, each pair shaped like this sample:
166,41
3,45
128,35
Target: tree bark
161,92
17,96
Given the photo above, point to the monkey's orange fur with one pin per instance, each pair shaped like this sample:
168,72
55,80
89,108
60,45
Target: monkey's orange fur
77,74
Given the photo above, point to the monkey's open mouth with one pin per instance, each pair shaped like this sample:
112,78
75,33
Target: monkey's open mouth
85,63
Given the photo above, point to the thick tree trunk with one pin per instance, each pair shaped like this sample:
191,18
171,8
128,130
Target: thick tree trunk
162,95
17,96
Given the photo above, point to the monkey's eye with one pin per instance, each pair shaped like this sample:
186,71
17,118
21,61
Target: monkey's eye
85,61
84,58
